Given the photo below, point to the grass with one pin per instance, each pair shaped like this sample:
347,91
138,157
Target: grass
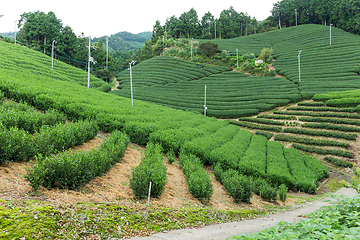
40,219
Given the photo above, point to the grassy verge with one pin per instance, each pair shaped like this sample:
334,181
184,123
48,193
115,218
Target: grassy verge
38,219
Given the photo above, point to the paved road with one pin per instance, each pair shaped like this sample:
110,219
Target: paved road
228,230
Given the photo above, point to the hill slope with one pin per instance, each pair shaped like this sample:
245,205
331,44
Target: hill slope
214,142
324,68
181,84
124,41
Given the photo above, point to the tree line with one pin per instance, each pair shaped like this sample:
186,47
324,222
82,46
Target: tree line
344,14
39,30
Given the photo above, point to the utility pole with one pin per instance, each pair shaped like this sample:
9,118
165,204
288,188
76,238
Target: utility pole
215,29
299,52
52,54
296,17
163,45
89,64
205,108
107,52
191,47
131,88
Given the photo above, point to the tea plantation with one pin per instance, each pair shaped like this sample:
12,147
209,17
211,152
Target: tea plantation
181,84
186,133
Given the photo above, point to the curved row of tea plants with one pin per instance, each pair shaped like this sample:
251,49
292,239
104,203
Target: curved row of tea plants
151,169
72,169
25,117
228,94
19,145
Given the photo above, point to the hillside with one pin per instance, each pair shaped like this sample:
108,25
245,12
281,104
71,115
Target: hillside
207,138
242,162
125,41
22,61
324,69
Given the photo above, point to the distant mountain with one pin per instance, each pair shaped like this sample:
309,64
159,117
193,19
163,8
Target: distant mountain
125,41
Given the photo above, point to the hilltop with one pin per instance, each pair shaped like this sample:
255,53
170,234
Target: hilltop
125,41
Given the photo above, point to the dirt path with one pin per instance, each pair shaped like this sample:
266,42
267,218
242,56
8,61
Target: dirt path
228,230
116,85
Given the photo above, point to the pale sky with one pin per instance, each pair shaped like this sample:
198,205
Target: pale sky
106,17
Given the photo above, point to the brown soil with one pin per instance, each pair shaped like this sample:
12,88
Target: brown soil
114,185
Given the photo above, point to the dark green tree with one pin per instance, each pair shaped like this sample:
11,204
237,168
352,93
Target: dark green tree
40,29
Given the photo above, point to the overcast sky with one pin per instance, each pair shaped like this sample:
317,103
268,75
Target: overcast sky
106,17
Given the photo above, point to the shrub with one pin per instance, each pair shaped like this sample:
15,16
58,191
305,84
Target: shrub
283,192
171,156
72,169
338,162
15,145
199,182
209,49
151,169
238,186
266,53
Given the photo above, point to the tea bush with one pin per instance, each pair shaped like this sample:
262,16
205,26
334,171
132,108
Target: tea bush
72,169
151,169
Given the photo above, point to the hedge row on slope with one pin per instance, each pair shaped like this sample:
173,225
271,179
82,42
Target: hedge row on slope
72,169
151,169
19,145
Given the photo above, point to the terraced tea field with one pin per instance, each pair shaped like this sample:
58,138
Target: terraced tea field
181,84
330,133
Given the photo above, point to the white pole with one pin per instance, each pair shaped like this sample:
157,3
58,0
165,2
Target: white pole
205,108
148,202
15,33
163,45
131,88
215,29
89,65
52,55
217,208
107,52
299,65
191,48
296,16
237,58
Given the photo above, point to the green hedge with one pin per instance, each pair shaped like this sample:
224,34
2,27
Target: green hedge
338,162
323,151
198,181
310,141
256,126
253,163
151,169
72,169
238,186
348,136
277,171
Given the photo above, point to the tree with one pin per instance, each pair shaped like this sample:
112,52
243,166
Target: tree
68,42
190,23
40,28
206,24
158,32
